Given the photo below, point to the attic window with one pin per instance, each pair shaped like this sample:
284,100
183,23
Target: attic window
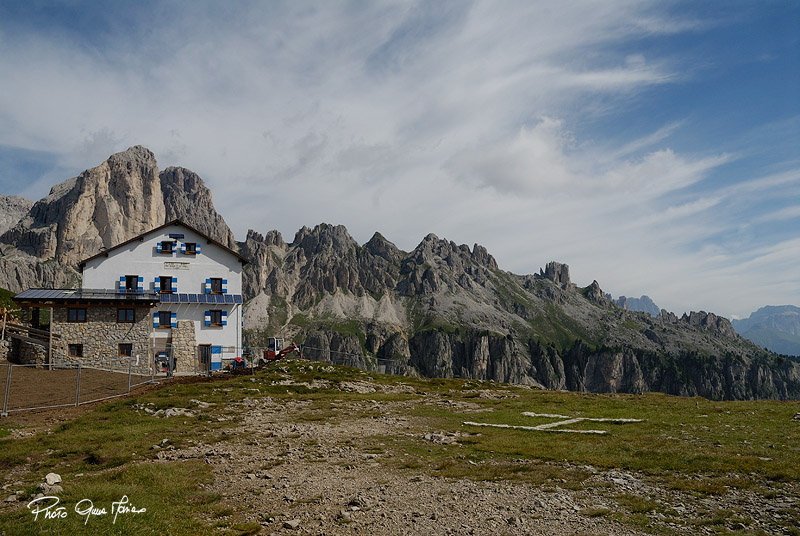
167,247
191,248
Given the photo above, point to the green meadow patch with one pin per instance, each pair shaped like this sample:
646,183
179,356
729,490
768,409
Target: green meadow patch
689,445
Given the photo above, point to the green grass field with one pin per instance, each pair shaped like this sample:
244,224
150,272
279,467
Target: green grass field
697,446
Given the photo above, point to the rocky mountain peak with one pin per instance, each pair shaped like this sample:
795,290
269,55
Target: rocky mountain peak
379,246
325,238
101,207
481,255
186,197
556,272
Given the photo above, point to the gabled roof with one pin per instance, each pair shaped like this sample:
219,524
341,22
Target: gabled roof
140,238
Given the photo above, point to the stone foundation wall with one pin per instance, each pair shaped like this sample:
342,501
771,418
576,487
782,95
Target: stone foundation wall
101,335
26,353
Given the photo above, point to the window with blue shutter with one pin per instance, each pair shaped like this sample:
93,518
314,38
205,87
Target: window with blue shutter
216,318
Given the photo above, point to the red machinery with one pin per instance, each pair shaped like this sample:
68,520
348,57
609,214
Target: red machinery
271,355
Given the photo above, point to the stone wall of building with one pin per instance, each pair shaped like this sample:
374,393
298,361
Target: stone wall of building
101,335
184,344
26,353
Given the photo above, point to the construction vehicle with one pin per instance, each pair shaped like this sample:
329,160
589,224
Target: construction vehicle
274,355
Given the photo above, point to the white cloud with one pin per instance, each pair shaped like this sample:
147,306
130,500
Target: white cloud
460,119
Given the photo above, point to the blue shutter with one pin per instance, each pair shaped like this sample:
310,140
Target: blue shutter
140,286
197,249
208,318
157,284
122,283
224,318
216,349
174,285
155,320
173,320
183,248
224,286
208,286
159,249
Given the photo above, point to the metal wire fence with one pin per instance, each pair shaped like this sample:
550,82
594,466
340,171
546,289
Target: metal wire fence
29,387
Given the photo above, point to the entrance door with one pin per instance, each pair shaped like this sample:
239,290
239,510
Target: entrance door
204,357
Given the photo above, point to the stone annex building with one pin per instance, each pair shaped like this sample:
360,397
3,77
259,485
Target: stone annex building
171,292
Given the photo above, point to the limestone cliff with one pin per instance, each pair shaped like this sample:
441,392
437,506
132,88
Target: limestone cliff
12,209
101,207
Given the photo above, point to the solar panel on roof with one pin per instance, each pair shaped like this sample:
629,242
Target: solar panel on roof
201,298
237,298
228,298
184,298
192,298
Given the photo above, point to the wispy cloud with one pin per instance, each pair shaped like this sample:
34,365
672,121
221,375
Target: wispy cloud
479,121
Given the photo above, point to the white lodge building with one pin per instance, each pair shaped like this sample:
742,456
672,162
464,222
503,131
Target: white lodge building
198,282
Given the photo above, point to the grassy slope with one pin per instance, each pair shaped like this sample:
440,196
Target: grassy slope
106,453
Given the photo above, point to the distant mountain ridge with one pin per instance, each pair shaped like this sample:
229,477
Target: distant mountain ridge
440,310
644,304
775,327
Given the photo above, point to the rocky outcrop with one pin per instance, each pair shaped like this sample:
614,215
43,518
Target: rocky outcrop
711,322
187,198
12,209
558,273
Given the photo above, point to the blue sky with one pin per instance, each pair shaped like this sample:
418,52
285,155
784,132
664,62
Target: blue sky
652,146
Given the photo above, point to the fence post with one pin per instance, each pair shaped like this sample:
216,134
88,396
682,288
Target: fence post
7,391
78,386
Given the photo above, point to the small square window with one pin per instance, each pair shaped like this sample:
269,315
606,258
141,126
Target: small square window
76,350
216,318
75,314
216,285
164,319
125,349
167,247
126,316
191,248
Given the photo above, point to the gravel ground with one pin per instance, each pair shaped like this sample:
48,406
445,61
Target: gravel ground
295,475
